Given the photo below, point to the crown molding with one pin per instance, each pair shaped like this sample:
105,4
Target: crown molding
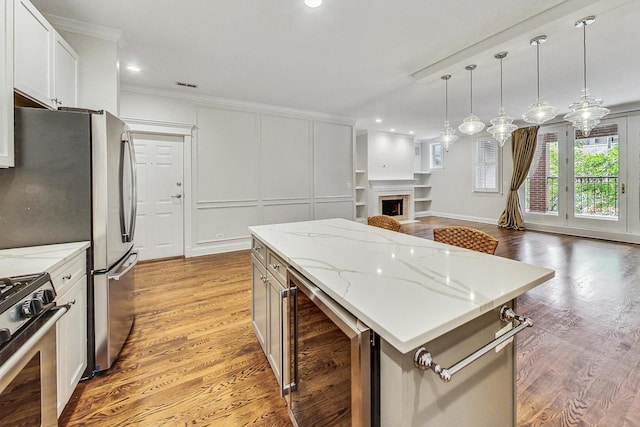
212,101
84,28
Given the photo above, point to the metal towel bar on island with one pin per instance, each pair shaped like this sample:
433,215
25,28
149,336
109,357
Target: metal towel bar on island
423,359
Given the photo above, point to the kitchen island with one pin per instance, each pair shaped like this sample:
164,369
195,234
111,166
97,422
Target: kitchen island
414,292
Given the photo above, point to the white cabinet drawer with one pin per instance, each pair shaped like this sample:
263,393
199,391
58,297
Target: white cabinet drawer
72,271
259,250
277,267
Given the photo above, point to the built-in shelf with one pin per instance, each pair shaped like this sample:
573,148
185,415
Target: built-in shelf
361,171
361,204
360,187
421,193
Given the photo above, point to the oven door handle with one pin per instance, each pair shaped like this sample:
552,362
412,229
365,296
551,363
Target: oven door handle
32,341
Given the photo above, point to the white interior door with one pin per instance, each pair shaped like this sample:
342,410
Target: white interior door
160,217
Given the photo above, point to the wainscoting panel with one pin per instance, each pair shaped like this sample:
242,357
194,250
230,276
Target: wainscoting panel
333,209
285,158
226,155
332,159
278,213
222,223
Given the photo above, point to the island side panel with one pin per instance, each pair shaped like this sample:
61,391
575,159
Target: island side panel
482,394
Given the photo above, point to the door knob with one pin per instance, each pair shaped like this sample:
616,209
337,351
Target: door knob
622,188
177,196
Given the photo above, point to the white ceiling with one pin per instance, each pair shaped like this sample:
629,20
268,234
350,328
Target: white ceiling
358,58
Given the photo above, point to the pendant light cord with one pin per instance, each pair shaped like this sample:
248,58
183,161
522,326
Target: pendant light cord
584,46
538,67
501,82
446,100
471,91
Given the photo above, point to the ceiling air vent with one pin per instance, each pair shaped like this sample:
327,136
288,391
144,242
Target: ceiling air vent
183,84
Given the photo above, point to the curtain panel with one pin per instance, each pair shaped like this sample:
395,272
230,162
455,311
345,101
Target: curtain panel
523,147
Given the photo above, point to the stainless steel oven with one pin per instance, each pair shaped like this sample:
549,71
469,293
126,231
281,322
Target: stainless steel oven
332,361
28,380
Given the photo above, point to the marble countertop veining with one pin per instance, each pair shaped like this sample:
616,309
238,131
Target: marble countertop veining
37,259
408,289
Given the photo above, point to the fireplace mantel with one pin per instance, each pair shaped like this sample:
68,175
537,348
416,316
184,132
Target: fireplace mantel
392,188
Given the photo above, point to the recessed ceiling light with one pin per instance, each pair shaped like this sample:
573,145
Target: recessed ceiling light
392,129
133,68
410,132
378,120
313,3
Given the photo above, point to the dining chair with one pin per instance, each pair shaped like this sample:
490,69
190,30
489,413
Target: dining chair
384,221
466,237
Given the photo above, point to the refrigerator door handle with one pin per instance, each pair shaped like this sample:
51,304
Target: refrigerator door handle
129,265
128,224
134,188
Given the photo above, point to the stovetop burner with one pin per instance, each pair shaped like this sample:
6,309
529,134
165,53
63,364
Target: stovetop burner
23,299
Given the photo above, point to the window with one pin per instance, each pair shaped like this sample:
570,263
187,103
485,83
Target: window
486,166
541,187
435,156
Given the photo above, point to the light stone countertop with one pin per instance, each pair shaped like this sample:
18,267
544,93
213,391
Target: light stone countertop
409,290
37,259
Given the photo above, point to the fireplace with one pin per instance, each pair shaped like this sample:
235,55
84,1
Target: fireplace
392,207
395,205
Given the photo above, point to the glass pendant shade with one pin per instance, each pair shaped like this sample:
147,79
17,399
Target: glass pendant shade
502,126
587,111
540,111
471,124
447,134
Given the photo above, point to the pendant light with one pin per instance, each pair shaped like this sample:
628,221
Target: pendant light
540,111
502,125
471,124
447,134
586,112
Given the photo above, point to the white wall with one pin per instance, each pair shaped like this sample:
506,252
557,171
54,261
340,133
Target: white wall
98,79
390,156
452,186
253,165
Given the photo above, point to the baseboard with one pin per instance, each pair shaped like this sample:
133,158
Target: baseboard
568,231
492,221
220,247
579,232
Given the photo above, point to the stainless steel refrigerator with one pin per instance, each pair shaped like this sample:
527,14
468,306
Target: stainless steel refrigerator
74,180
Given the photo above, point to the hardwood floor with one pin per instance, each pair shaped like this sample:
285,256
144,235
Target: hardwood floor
193,359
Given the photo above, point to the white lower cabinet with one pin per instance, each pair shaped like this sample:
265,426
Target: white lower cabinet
259,301
270,307
276,344
70,282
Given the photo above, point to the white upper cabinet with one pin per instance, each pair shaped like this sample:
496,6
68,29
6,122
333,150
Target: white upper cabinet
46,67
6,84
65,73
33,40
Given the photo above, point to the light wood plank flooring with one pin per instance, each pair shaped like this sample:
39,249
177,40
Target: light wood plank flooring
193,359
